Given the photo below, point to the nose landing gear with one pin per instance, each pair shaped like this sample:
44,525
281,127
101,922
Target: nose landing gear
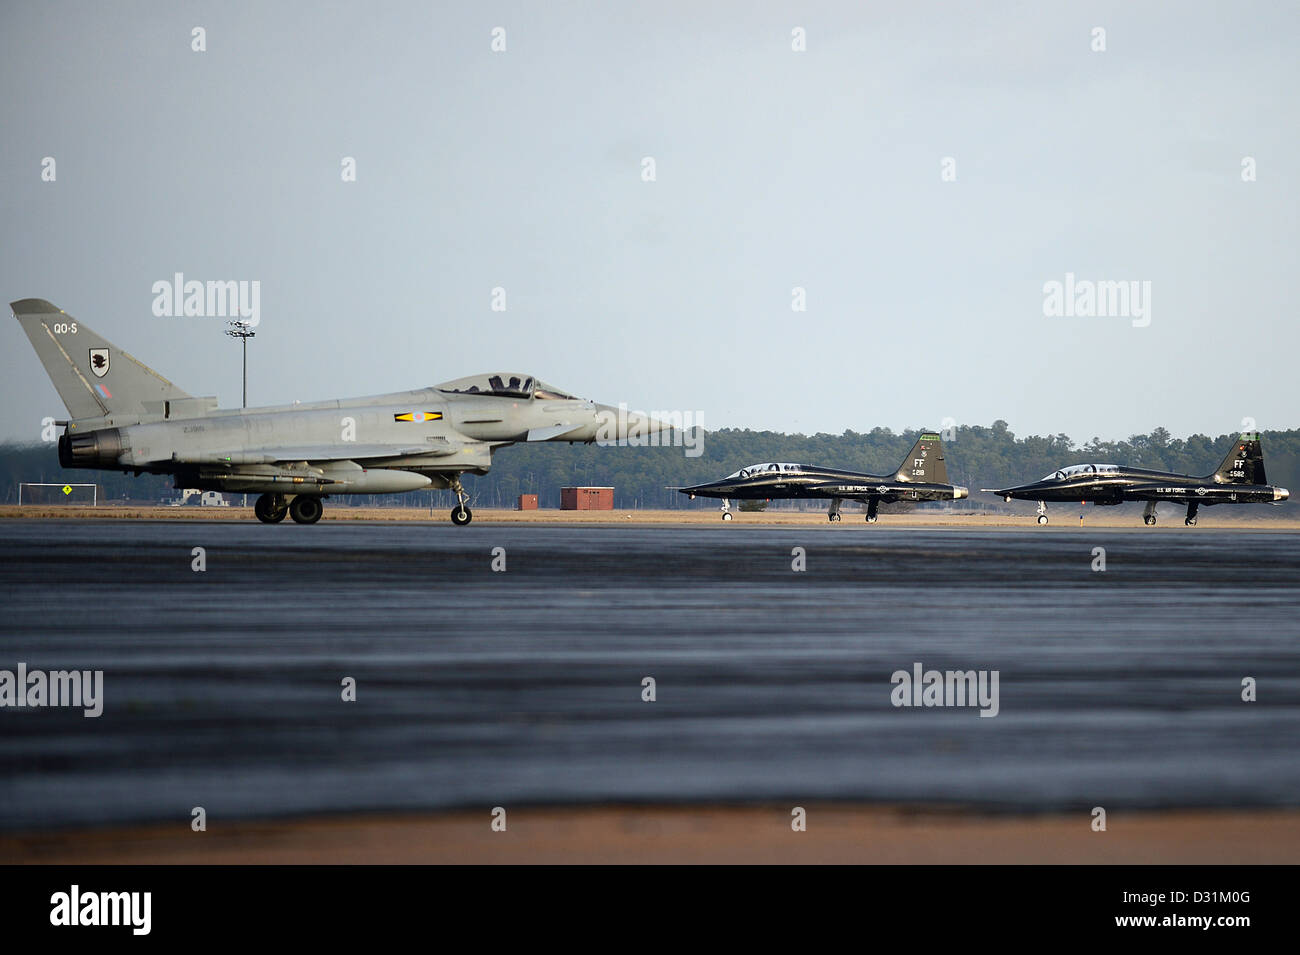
1042,512
1190,520
460,514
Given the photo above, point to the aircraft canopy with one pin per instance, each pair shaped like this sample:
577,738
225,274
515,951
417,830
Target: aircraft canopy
756,469
1077,469
505,384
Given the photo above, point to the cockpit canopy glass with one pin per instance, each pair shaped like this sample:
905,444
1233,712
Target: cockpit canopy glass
756,469
550,393
505,384
1076,469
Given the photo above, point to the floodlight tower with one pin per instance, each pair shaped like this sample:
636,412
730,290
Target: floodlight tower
243,331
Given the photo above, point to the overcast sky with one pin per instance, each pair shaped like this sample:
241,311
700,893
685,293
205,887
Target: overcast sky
775,169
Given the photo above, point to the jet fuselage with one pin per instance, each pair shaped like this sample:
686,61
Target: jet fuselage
1240,479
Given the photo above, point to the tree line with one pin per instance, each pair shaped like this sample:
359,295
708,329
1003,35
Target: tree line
977,456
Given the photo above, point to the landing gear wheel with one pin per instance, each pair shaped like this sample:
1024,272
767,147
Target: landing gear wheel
871,518
726,515
1190,521
833,518
266,510
1148,521
460,514
306,510
1042,518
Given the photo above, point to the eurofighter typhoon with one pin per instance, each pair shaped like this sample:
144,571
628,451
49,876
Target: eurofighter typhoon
124,416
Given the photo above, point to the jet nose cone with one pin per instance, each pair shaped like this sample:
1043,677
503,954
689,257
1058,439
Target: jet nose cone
960,492
1280,494
619,424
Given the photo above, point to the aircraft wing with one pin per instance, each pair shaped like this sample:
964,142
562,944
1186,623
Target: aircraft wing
1207,493
855,491
889,491
343,451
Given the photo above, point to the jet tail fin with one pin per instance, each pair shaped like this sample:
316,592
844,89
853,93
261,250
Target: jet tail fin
94,377
925,464
1244,463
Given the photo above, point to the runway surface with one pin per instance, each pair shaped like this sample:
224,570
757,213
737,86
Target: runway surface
476,688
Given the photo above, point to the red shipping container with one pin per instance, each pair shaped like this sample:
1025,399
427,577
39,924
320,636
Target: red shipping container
586,498
527,502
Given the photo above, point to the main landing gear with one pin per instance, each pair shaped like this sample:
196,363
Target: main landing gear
1042,512
1190,520
304,508
873,505
1149,515
460,514
270,508
833,512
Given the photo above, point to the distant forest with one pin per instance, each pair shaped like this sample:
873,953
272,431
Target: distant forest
643,477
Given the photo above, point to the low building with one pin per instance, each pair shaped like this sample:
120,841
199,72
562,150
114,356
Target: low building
586,498
527,502
193,496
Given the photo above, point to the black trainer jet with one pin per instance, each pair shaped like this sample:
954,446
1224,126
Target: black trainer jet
1239,480
922,477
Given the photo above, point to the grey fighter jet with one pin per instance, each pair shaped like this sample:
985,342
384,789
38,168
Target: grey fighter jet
923,476
124,416
1239,480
